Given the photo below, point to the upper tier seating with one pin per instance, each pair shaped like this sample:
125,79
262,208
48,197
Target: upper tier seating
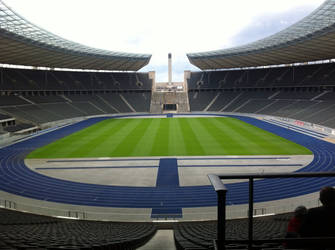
305,75
27,79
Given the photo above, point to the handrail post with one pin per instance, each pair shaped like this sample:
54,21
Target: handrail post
250,212
221,192
221,224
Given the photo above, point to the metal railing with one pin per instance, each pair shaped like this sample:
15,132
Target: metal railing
77,215
221,190
7,204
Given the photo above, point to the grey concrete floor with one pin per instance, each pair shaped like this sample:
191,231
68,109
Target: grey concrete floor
162,240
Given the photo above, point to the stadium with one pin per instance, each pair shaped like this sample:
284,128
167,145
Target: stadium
97,155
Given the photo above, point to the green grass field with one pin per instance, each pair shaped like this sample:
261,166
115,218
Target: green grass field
169,137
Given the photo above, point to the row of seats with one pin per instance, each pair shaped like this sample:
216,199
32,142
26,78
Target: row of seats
29,79
315,107
42,96
9,124
42,109
28,231
19,127
4,117
200,235
303,75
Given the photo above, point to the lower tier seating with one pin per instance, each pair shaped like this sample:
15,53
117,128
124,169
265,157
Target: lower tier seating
27,231
19,127
4,117
200,235
314,107
44,109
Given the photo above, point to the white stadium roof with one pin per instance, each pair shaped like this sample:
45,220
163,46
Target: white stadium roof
311,39
23,43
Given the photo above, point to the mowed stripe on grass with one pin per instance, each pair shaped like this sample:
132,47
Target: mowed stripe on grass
169,137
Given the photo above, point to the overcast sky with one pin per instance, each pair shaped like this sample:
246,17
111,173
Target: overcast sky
158,27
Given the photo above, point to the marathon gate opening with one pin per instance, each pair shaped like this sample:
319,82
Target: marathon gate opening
171,107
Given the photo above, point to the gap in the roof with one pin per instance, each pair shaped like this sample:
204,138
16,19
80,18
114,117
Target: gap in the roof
158,27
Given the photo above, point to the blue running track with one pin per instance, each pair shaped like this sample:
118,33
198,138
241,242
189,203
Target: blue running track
16,178
167,177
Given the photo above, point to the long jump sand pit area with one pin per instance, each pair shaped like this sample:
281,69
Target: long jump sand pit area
103,171
142,172
193,172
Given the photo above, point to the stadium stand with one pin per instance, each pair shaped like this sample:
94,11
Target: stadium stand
4,117
114,100
9,124
304,75
200,100
244,98
223,99
28,231
200,235
93,100
303,92
38,99
46,96
140,102
20,127
11,100
28,79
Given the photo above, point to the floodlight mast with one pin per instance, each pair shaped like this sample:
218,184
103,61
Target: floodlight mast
170,68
